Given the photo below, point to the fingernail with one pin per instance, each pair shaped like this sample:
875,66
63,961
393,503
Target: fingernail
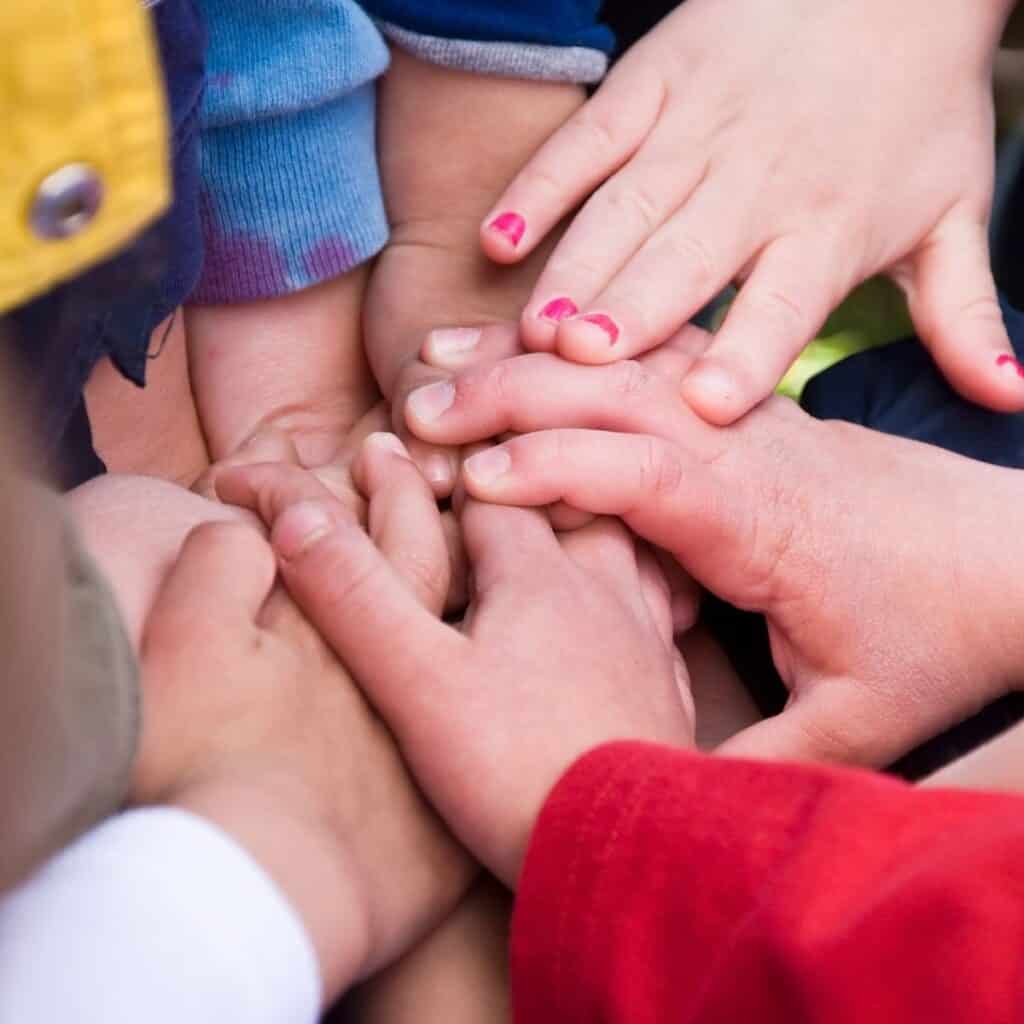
299,527
391,442
485,467
1007,360
438,469
605,323
511,225
558,309
713,380
428,403
451,341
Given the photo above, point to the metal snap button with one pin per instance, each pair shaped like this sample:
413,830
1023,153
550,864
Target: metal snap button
66,201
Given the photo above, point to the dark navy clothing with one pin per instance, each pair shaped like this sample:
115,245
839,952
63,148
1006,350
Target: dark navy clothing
551,22
113,308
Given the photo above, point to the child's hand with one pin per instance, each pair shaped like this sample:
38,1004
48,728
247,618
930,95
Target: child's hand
889,571
798,147
293,365
251,721
565,646
449,142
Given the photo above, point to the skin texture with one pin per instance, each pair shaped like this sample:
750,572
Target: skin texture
131,425
254,748
432,273
292,365
833,532
826,143
509,672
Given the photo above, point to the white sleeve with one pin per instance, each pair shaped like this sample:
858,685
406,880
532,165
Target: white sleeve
154,916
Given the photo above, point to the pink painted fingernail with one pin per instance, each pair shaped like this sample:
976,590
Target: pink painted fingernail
558,309
1007,360
606,323
511,225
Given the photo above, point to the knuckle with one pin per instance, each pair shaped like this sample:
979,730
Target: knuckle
776,305
630,380
661,471
428,576
696,258
595,129
635,201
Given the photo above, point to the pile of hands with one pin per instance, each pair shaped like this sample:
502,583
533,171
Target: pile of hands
599,460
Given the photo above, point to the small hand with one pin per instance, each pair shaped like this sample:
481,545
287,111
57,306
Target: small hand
244,710
887,570
800,148
565,646
432,273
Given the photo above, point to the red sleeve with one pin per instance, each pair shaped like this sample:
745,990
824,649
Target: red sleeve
665,887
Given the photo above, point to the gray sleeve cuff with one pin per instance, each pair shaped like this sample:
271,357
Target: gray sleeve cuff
575,64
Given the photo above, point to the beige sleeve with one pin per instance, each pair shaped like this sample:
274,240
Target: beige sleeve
69,688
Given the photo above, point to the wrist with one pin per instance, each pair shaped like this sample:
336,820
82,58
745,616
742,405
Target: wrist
280,827
478,130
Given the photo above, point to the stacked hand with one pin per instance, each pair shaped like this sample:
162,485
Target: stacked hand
799,148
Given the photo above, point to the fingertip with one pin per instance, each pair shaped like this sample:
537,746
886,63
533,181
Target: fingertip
592,339
501,236
299,527
450,348
715,394
483,471
537,333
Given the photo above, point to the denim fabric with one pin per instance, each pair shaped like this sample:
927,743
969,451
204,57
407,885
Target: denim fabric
113,309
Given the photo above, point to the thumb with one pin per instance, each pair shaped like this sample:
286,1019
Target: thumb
839,721
955,308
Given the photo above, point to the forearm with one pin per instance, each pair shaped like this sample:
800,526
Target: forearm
450,141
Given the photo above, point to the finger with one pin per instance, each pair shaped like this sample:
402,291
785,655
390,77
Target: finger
794,287
564,518
454,348
458,588
268,444
685,592
438,464
953,303
605,548
223,575
541,391
593,143
270,488
656,593
669,279
612,226
674,359
505,544
661,491
404,521
839,721
361,606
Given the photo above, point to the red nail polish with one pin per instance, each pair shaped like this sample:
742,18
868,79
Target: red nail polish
558,309
1007,360
606,323
511,225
